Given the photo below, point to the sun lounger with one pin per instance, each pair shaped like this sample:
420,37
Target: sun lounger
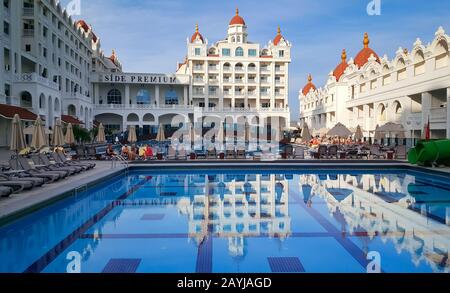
322,151
5,191
37,182
18,186
35,172
44,159
39,165
230,153
332,151
61,158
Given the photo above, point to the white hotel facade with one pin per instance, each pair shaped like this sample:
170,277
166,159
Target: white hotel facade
54,67
369,91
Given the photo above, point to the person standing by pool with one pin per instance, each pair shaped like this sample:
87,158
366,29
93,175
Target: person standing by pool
148,152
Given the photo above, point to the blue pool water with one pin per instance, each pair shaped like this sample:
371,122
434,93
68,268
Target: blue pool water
232,221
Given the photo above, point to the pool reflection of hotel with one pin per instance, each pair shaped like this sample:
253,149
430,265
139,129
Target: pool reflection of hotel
54,67
369,90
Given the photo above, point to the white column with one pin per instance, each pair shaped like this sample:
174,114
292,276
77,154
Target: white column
157,95
96,94
127,95
186,97
426,108
448,112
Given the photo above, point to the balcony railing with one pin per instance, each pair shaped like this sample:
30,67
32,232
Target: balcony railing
141,106
28,11
28,32
35,78
438,114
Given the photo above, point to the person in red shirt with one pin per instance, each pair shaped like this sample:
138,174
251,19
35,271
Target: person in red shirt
148,152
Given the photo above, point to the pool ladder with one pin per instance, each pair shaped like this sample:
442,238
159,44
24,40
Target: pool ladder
122,161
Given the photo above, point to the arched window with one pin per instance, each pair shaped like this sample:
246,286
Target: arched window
239,52
42,101
26,101
114,97
143,97
171,97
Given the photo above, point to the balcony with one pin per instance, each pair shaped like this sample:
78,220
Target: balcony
141,106
239,80
28,32
28,11
438,115
198,80
35,78
198,68
213,68
213,81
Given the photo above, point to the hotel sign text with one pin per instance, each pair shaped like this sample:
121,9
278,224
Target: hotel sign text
138,79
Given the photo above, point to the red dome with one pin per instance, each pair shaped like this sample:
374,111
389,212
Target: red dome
197,34
278,38
84,25
340,69
363,56
308,86
237,19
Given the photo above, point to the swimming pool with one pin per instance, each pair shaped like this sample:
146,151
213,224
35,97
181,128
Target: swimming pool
239,221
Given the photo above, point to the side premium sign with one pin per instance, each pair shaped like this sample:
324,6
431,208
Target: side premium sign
138,78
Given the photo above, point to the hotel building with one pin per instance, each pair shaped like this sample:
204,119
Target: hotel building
54,67
411,89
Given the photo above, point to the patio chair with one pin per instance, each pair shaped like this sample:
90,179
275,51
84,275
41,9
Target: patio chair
299,152
400,152
37,163
182,154
240,153
211,154
332,151
5,191
230,153
375,152
289,151
171,153
322,151
91,153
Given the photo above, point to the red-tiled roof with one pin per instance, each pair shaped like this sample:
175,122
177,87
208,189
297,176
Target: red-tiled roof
363,56
196,35
278,38
84,25
308,86
70,119
237,19
8,112
340,69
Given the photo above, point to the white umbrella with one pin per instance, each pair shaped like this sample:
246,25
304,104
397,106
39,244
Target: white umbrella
339,130
58,138
69,138
17,138
101,134
39,138
161,135
132,138
390,128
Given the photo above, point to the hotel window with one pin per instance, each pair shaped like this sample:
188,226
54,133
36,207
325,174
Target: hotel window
281,53
239,52
252,52
143,97
114,97
197,51
226,52
265,105
6,28
171,97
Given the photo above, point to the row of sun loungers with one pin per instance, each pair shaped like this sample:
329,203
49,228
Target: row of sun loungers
26,176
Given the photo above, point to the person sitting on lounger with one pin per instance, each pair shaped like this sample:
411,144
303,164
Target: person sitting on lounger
148,152
125,151
110,151
132,153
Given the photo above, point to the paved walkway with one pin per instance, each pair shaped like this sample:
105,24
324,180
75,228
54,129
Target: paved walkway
25,200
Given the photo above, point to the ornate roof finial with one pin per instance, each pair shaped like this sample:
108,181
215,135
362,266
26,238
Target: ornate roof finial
237,11
344,56
113,54
279,30
196,27
366,40
310,78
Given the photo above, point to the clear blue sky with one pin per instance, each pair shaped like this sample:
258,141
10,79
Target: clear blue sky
150,35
